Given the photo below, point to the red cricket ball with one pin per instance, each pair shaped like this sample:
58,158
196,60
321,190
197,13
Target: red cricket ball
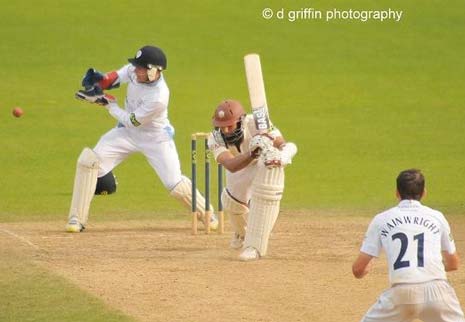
18,112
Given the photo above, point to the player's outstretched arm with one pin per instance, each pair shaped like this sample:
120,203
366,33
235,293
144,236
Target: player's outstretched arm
451,261
361,265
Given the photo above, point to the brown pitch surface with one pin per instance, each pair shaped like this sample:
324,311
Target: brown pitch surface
157,271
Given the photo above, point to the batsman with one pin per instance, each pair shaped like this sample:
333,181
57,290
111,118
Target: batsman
254,163
143,126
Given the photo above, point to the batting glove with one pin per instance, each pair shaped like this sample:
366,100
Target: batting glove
259,143
271,157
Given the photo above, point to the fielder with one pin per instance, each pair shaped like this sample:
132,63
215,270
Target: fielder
420,250
254,176
143,126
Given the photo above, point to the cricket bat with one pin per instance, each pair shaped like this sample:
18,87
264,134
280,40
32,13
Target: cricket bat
256,86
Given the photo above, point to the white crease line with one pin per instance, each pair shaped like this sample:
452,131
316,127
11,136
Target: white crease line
23,239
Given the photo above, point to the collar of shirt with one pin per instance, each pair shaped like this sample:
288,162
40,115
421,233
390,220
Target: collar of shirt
407,203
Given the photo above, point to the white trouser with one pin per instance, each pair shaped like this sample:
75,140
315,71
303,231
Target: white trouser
118,143
433,301
239,184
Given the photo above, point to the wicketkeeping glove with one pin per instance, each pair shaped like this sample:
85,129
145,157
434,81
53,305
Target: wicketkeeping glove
91,78
106,99
90,95
95,95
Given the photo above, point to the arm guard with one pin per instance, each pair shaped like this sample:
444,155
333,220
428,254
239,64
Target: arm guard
109,81
94,77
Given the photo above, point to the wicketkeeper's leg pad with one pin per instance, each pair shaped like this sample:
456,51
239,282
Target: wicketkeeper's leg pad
267,191
237,213
183,192
85,181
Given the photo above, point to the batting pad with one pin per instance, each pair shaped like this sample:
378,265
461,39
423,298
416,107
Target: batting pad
267,191
183,192
85,182
237,213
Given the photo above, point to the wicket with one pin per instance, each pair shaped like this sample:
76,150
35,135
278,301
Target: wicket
208,211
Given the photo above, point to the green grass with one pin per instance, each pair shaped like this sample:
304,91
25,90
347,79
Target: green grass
30,293
361,100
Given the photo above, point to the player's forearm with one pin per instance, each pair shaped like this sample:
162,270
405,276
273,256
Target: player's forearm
451,261
360,268
237,163
359,273
279,142
125,118
141,116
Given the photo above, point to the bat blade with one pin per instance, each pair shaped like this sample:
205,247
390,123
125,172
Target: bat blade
257,94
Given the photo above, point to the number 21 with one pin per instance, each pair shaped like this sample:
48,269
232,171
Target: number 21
399,263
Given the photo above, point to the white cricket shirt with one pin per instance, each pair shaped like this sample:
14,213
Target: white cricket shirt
146,105
413,237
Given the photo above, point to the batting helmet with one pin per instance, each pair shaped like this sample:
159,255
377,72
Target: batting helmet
106,185
149,57
229,113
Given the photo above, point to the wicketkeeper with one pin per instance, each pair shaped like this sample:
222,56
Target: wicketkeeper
143,126
254,166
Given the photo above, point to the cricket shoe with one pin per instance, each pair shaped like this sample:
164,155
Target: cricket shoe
249,254
213,221
237,241
74,226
